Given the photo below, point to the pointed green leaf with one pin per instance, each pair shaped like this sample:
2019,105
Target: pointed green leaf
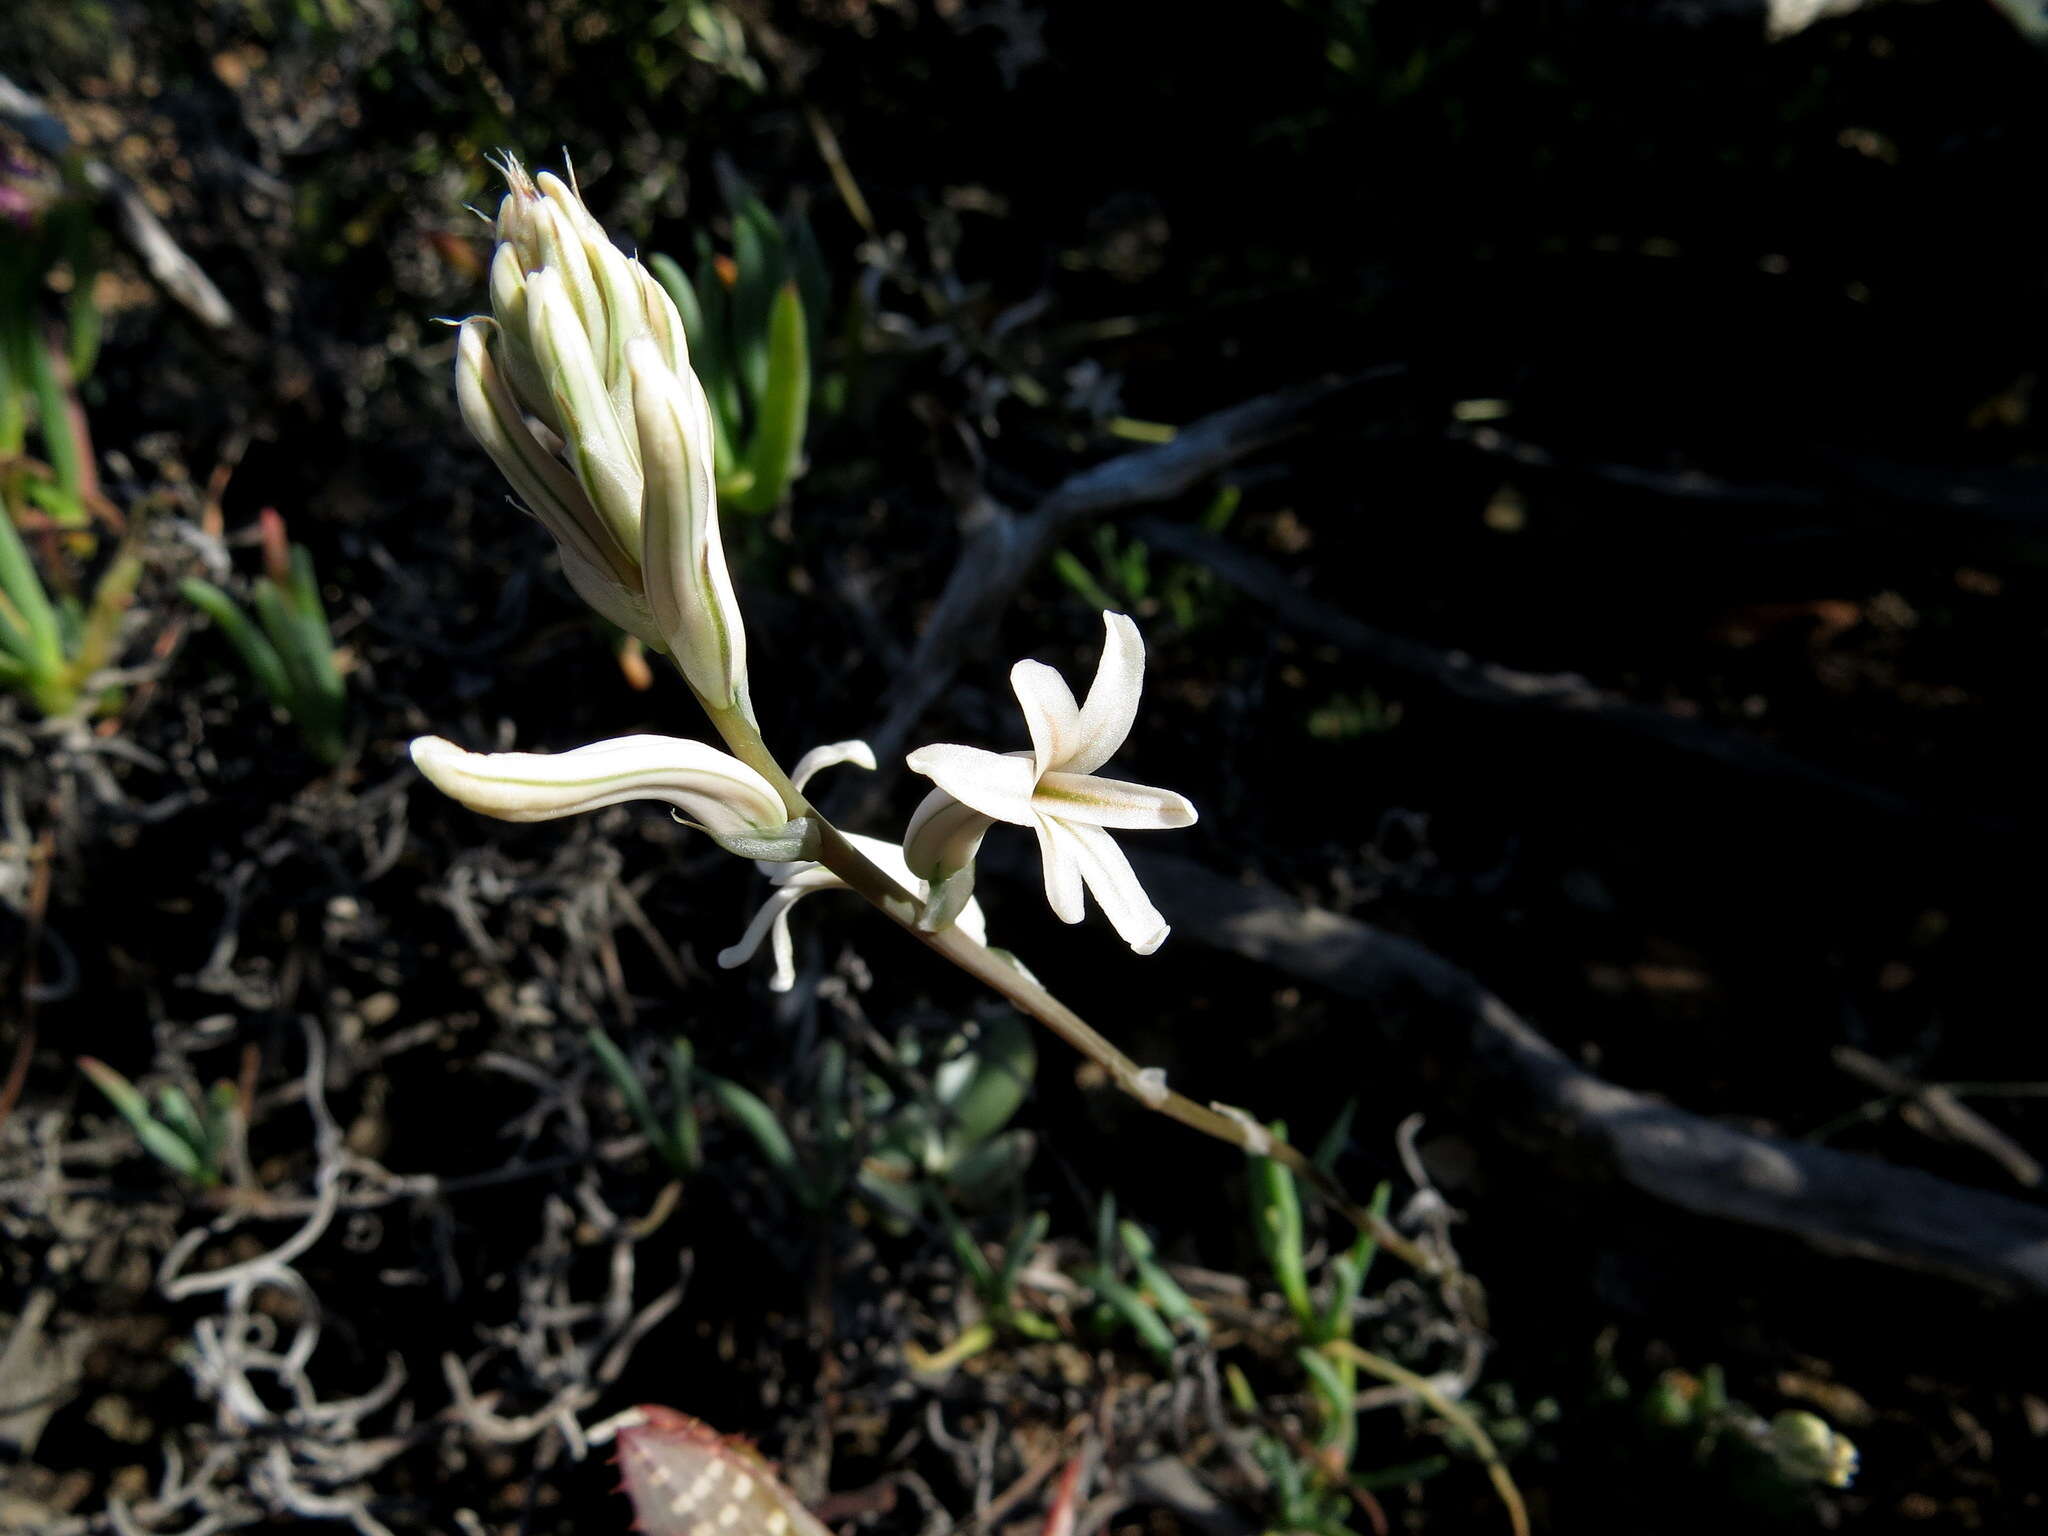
783,407
257,653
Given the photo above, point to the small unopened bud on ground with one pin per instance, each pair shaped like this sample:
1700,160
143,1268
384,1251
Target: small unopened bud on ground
1809,1449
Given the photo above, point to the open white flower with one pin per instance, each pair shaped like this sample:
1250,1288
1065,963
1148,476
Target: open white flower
1054,790
712,789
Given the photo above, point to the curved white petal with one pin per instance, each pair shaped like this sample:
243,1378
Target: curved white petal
938,853
663,321
1062,869
894,862
802,875
885,856
602,450
1050,712
1112,703
492,412
943,836
623,606
714,790
793,882
1114,885
1098,802
508,305
562,252
831,755
994,783
771,923
682,558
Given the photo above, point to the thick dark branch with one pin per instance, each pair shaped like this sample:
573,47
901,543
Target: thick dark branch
1577,716
1845,496
1521,1086
1002,549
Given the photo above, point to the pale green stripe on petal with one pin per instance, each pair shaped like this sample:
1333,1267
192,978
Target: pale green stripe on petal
1101,802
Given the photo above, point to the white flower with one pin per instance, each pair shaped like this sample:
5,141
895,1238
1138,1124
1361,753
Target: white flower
1053,790
616,460
604,571
713,790
682,558
796,880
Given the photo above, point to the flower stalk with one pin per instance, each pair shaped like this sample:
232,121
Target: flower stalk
1006,977
579,386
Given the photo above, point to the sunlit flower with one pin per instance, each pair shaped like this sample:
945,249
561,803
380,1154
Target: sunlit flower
712,789
579,386
1053,789
794,881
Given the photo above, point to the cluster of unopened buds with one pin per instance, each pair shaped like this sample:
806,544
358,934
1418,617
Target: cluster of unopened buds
579,386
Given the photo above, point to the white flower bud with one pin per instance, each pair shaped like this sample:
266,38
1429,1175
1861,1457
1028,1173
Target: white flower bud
604,456
515,330
582,330
682,558
939,847
712,789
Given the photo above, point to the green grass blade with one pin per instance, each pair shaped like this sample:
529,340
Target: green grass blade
160,1140
1350,1270
982,1086
176,1111
682,1077
760,1124
668,272
1339,1407
1276,1214
717,367
1082,581
24,588
1018,1254
757,252
1133,1309
110,600
53,412
979,1272
783,405
1165,1291
258,655
633,1091
327,693
807,266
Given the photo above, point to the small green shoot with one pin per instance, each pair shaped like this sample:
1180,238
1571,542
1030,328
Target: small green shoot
754,323
51,648
1151,1308
42,361
677,1138
1328,1357
291,656
1122,575
190,1140
953,1141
